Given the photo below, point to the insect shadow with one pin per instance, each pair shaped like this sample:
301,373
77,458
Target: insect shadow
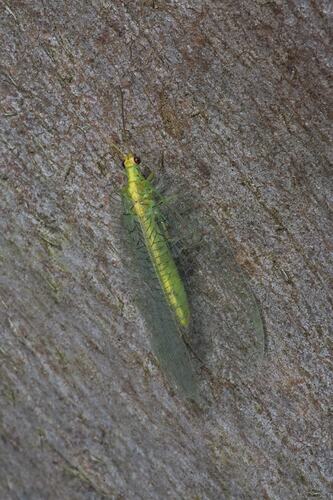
227,330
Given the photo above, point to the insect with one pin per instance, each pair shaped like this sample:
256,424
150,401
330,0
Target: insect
140,195
227,334
162,296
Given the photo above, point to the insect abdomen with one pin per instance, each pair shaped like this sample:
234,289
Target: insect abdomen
140,193
166,270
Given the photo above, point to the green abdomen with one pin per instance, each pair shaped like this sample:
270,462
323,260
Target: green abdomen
143,207
166,270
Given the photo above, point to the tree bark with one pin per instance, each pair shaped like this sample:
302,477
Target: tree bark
232,99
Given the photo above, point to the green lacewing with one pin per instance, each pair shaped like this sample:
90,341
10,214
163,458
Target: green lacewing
206,317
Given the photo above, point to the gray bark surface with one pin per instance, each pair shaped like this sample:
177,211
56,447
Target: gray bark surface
231,97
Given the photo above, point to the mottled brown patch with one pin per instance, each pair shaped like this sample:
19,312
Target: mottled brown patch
172,120
104,38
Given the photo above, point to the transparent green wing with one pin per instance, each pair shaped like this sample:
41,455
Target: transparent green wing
166,339
227,332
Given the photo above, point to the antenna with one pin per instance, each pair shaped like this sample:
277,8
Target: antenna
118,150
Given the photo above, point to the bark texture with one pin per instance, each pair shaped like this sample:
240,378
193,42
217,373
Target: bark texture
231,97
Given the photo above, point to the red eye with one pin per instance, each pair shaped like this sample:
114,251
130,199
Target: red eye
137,160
